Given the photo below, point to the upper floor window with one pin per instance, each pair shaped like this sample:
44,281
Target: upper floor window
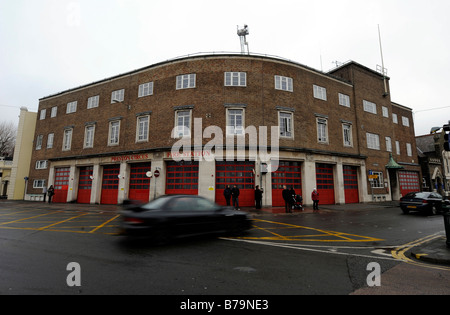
322,130
388,144
41,165
347,133
39,142
145,89
344,100
405,121
71,107
394,118
409,149
89,136
320,92
50,138
93,102
373,141
283,83
385,111
114,132
235,121
117,96
235,79
186,81
43,113
54,111
285,121
370,107
142,128
67,140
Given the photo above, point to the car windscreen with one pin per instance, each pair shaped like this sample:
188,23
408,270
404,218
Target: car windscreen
155,204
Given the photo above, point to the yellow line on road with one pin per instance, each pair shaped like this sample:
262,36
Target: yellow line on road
59,222
105,223
37,216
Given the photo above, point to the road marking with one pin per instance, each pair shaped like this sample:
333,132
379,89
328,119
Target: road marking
24,219
57,223
105,223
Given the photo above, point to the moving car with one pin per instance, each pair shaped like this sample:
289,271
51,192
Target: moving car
426,202
174,216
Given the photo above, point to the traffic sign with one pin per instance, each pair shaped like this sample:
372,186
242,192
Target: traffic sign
373,176
156,173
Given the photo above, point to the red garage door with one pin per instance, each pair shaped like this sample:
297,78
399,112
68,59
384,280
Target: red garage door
289,174
351,184
239,173
61,184
110,184
182,178
85,185
325,184
139,182
409,182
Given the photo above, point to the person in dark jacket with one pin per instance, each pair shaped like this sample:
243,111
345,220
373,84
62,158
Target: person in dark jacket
50,193
287,199
258,197
235,196
227,195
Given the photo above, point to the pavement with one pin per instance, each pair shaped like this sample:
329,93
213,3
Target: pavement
432,249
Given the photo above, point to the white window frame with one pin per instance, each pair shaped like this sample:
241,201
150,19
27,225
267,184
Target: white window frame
41,165
284,83
39,142
54,112
388,144
186,81
373,141
50,139
183,130
320,92
142,128
347,134
236,79
117,95
409,149
114,133
89,134
286,123
322,130
394,118
93,101
397,147
43,114
145,89
344,100
39,183
71,107
378,182
67,139
370,107
405,121
232,120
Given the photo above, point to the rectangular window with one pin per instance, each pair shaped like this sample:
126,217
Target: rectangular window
39,142
50,138
285,125
182,123
39,183
394,118
186,81
344,100
322,130
373,141
405,121
235,79
43,113
93,102
370,107
89,136
114,131
235,122
142,128
145,89
284,83
320,92
67,141
348,137
397,147
378,182
388,144
385,111
409,149
71,107
118,96
41,165
54,111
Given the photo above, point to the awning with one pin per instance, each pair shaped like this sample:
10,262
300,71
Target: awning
392,165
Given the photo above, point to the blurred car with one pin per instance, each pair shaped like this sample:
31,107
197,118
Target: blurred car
446,206
426,202
175,216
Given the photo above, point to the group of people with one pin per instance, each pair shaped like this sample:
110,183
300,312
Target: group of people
48,192
232,194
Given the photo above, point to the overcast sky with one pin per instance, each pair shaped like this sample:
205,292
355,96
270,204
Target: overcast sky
47,46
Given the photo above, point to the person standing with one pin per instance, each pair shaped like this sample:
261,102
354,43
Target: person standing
235,195
287,199
50,193
315,199
227,195
44,192
258,197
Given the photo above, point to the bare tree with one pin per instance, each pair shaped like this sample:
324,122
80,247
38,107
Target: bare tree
8,133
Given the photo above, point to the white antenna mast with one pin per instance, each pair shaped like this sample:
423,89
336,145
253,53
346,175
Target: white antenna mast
383,69
242,33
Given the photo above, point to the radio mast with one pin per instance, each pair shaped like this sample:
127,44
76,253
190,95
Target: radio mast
242,33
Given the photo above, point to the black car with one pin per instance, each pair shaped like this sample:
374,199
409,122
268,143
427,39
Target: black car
174,216
426,202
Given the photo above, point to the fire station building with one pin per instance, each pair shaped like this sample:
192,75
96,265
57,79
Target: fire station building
114,139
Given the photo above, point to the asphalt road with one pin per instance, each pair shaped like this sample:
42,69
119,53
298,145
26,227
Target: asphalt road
302,254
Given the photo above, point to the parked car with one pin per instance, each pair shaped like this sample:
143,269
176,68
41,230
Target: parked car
175,216
426,202
446,206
